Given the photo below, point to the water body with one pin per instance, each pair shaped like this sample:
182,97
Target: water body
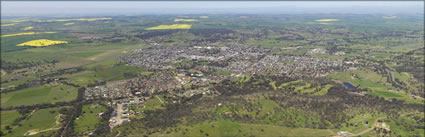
349,85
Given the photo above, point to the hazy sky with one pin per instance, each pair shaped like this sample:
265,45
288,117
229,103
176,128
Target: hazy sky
65,8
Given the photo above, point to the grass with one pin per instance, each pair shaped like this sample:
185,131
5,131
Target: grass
385,94
242,79
118,72
360,120
38,95
323,91
399,126
153,103
374,83
85,54
40,120
304,88
88,120
291,82
229,128
226,73
403,76
146,73
8,117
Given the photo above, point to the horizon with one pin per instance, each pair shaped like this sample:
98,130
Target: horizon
114,8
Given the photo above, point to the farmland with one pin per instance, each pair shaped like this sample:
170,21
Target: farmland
38,95
185,20
174,26
214,75
41,122
41,43
89,119
26,33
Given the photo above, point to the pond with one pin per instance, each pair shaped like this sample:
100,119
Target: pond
349,85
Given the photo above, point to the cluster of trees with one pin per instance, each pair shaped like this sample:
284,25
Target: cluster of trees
62,71
332,110
13,65
210,32
68,123
151,34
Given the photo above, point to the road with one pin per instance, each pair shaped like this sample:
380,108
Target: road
369,129
119,118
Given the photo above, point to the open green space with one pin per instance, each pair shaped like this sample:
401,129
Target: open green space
229,128
42,122
374,83
8,117
38,95
89,118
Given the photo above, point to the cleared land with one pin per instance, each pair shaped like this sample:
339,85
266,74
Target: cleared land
89,118
38,95
174,26
42,122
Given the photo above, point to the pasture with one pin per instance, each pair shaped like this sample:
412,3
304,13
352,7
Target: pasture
236,129
38,95
89,118
42,122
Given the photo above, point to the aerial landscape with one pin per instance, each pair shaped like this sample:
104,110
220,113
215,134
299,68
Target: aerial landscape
213,71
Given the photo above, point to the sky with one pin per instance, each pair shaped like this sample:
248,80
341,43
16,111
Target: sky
93,8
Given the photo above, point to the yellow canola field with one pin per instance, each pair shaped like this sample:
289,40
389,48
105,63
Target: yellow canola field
203,17
324,23
28,28
187,20
80,19
327,20
67,24
42,43
4,25
26,33
390,17
174,26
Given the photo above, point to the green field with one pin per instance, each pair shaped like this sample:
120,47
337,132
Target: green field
229,128
358,122
8,117
154,103
89,119
407,125
44,121
374,83
85,54
38,95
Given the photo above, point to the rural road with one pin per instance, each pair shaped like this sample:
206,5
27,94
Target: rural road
35,131
369,129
